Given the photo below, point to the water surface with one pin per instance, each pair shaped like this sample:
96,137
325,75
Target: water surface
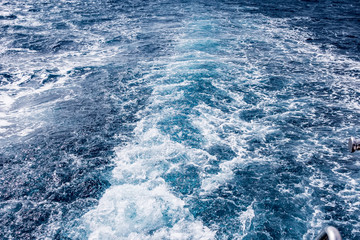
178,119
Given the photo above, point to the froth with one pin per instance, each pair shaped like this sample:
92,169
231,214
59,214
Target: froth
131,208
140,203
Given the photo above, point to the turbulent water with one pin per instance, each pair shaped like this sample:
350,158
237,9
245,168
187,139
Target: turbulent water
179,119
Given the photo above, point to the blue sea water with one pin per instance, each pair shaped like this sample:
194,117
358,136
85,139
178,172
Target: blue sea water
179,119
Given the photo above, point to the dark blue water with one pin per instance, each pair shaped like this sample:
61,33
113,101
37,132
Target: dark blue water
178,119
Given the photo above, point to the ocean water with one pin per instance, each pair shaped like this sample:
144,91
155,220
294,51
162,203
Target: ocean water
179,119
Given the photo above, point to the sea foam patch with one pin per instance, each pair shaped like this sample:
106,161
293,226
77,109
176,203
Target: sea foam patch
132,208
140,203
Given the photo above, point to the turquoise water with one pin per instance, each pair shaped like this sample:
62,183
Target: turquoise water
178,119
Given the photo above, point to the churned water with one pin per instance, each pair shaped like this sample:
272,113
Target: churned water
178,119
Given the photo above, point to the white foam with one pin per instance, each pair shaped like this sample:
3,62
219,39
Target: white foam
5,102
143,211
4,123
245,218
127,208
139,200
